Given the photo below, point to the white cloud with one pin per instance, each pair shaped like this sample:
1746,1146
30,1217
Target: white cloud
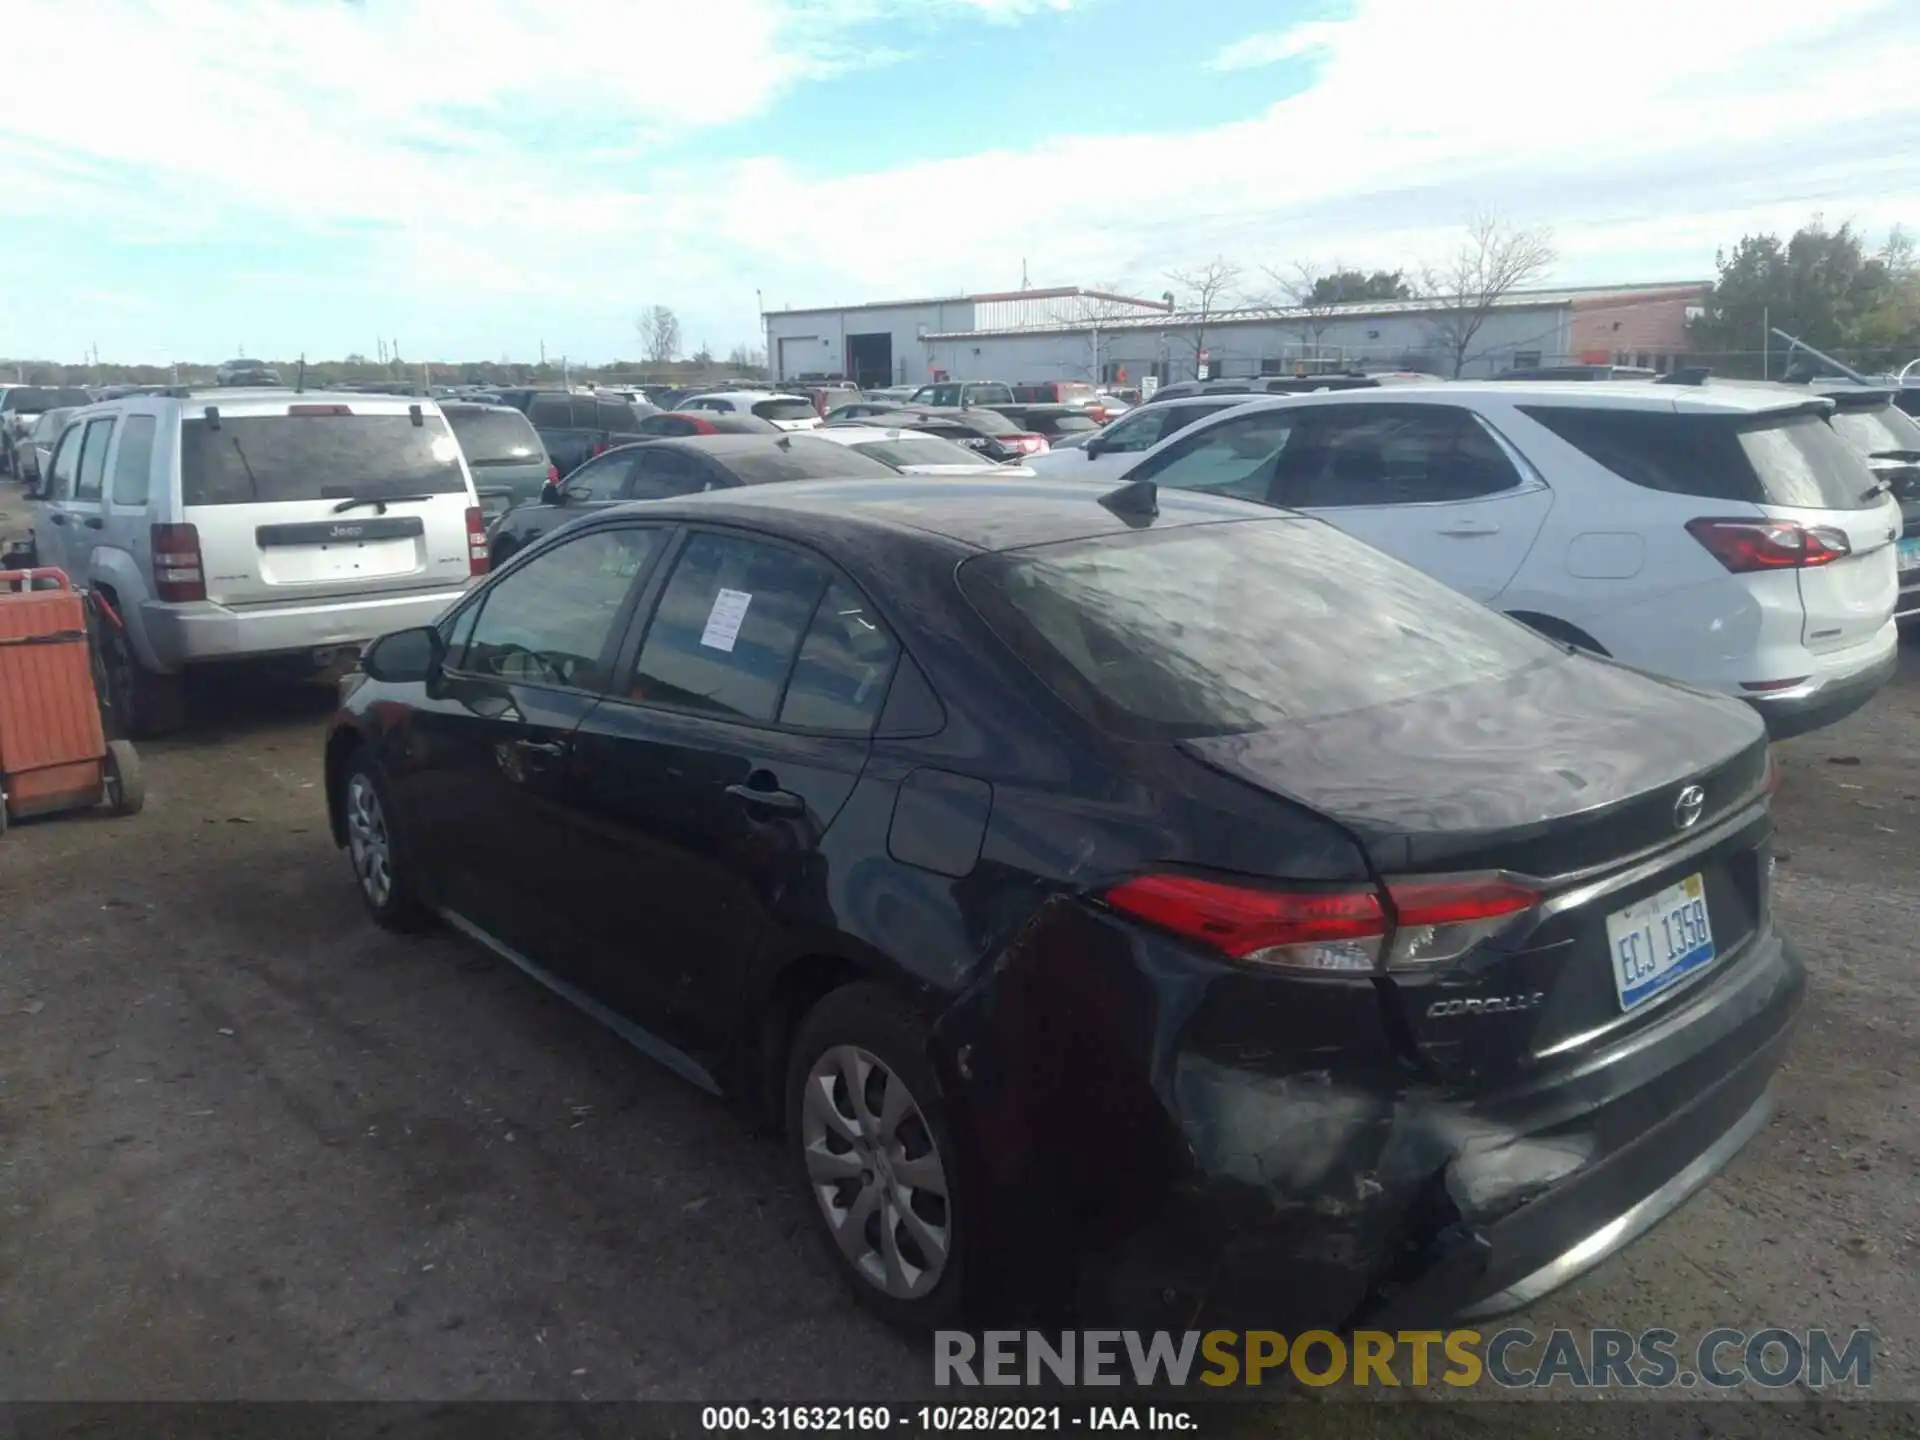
468,160
1272,47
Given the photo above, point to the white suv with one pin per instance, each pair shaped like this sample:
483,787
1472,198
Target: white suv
1724,536
785,412
230,524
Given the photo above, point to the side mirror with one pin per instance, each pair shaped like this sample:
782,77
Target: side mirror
551,493
404,656
1093,446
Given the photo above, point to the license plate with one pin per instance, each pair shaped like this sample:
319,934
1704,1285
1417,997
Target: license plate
1659,940
1910,553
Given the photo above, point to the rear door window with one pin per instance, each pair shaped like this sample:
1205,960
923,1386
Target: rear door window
661,474
602,478
1213,629
496,437
615,415
551,412
93,460
728,628
133,463
263,459
1394,455
1784,459
846,661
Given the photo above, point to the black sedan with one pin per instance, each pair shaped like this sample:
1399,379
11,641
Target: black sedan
1153,900
659,469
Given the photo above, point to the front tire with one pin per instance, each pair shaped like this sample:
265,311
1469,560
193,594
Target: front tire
870,1140
381,871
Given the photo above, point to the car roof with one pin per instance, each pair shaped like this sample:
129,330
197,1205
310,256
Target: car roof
274,399
723,444
754,395
471,407
1725,399
966,513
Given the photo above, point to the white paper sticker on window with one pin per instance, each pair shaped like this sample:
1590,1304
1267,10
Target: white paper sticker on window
725,619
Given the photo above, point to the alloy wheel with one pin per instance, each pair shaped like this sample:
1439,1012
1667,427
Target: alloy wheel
875,1169
368,841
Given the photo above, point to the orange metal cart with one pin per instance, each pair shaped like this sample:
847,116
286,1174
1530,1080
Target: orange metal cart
54,754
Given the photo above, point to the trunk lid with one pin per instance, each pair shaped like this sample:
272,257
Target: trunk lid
1574,775
303,499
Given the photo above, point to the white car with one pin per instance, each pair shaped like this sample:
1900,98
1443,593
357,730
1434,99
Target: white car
1112,451
914,452
1725,536
789,412
225,524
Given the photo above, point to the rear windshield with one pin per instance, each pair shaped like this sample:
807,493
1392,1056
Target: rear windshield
990,422
785,409
927,450
261,459
496,437
1794,459
33,399
802,460
1213,629
1878,429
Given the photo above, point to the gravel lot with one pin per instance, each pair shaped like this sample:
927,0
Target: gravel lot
250,1146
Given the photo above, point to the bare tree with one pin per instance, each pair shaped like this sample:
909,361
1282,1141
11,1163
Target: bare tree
1096,308
1493,260
1301,286
659,331
747,359
1202,294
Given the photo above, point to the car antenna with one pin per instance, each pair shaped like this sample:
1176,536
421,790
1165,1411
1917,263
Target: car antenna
785,442
1136,502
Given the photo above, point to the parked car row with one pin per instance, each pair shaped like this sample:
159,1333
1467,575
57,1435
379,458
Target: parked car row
1721,533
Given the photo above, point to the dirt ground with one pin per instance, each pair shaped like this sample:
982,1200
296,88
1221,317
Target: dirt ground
250,1146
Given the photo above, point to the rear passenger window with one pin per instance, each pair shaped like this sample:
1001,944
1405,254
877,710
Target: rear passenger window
93,459
549,621
1396,455
614,415
551,412
663,474
728,628
840,680
134,464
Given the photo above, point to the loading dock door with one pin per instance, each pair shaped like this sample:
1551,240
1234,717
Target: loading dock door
870,359
799,354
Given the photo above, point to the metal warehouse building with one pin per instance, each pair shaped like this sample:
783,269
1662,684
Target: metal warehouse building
1076,334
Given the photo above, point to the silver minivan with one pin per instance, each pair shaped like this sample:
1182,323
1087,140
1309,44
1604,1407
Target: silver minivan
229,524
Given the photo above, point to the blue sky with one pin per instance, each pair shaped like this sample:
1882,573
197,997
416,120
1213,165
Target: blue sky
474,177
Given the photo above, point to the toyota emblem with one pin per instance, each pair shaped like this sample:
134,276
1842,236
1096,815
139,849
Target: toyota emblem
1688,806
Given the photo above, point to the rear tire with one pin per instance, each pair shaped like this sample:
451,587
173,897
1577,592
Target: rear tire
126,782
381,871
142,703
867,1128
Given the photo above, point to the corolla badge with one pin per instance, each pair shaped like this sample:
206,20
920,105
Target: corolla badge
1688,806
1486,1005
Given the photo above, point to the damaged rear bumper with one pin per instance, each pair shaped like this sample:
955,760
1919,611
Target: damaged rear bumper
1197,1181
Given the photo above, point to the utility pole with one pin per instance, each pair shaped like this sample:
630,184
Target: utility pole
1766,343
543,352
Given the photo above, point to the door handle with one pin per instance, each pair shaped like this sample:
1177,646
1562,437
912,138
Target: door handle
550,749
780,802
1467,528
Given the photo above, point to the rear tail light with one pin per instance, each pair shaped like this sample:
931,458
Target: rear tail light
178,571
600,449
477,559
1413,924
553,474
1744,546
1025,444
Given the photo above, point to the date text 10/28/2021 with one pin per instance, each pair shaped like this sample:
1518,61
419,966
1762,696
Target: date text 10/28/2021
923,1419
